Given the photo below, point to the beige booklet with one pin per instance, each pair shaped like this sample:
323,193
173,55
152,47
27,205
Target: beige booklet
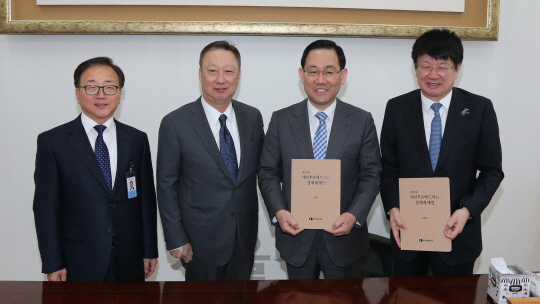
424,205
315,192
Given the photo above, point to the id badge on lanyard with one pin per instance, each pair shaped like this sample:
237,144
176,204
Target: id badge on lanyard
131,182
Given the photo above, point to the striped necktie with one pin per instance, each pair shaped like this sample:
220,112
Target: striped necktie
319,142
436,135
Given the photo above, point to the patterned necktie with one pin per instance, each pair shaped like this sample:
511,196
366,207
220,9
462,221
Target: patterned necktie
102,155
319,142
436,135
226,148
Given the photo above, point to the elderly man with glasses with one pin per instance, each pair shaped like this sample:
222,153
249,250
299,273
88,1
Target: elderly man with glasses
90,225
322,127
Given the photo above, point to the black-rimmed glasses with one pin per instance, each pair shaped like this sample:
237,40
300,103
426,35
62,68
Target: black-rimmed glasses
94,89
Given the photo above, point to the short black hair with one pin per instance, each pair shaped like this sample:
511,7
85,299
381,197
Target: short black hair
221,45
327,45
106,61
438,44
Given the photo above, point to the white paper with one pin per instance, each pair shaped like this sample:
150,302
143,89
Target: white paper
500,265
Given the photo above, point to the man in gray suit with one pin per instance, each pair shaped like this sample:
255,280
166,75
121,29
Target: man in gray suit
208,155
300,132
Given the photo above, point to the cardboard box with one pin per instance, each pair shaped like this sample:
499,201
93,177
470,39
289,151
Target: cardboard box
504,286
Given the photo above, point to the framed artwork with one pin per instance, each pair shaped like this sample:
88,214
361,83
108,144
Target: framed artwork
470,19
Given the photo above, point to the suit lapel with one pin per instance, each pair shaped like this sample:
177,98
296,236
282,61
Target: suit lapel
244,131
339,132
300,128
124,149
199,122
79,141
454,124
416,129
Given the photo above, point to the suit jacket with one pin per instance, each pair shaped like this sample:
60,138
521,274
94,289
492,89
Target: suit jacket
470,144
353,140
198,201
76,216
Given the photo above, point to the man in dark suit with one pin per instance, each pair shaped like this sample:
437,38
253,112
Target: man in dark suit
300,132
208,154
88,228
441,131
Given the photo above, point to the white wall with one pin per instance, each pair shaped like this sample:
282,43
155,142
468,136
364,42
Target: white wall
36,94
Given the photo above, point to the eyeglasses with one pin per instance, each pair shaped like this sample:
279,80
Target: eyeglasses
441,70
94,89
328,73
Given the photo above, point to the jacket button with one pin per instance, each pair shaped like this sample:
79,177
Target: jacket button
233,214
109,231
111,205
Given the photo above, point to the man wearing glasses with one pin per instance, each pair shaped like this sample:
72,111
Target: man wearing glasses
441,131
322,127
90,225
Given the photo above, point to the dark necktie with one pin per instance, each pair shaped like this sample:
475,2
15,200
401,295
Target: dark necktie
102,155
436,135
226,148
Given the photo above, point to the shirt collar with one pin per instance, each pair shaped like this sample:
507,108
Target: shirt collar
88,124
426,102
213,115
312,111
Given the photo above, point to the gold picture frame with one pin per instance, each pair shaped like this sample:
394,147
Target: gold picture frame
262,21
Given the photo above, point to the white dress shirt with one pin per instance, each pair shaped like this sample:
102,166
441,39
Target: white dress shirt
428,113
212,115
109,136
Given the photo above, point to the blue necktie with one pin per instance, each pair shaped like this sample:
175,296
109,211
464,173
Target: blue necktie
102,155
436,135
226,148
319,142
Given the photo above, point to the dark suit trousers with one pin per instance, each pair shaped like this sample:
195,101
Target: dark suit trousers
426,260
237,269
318,260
